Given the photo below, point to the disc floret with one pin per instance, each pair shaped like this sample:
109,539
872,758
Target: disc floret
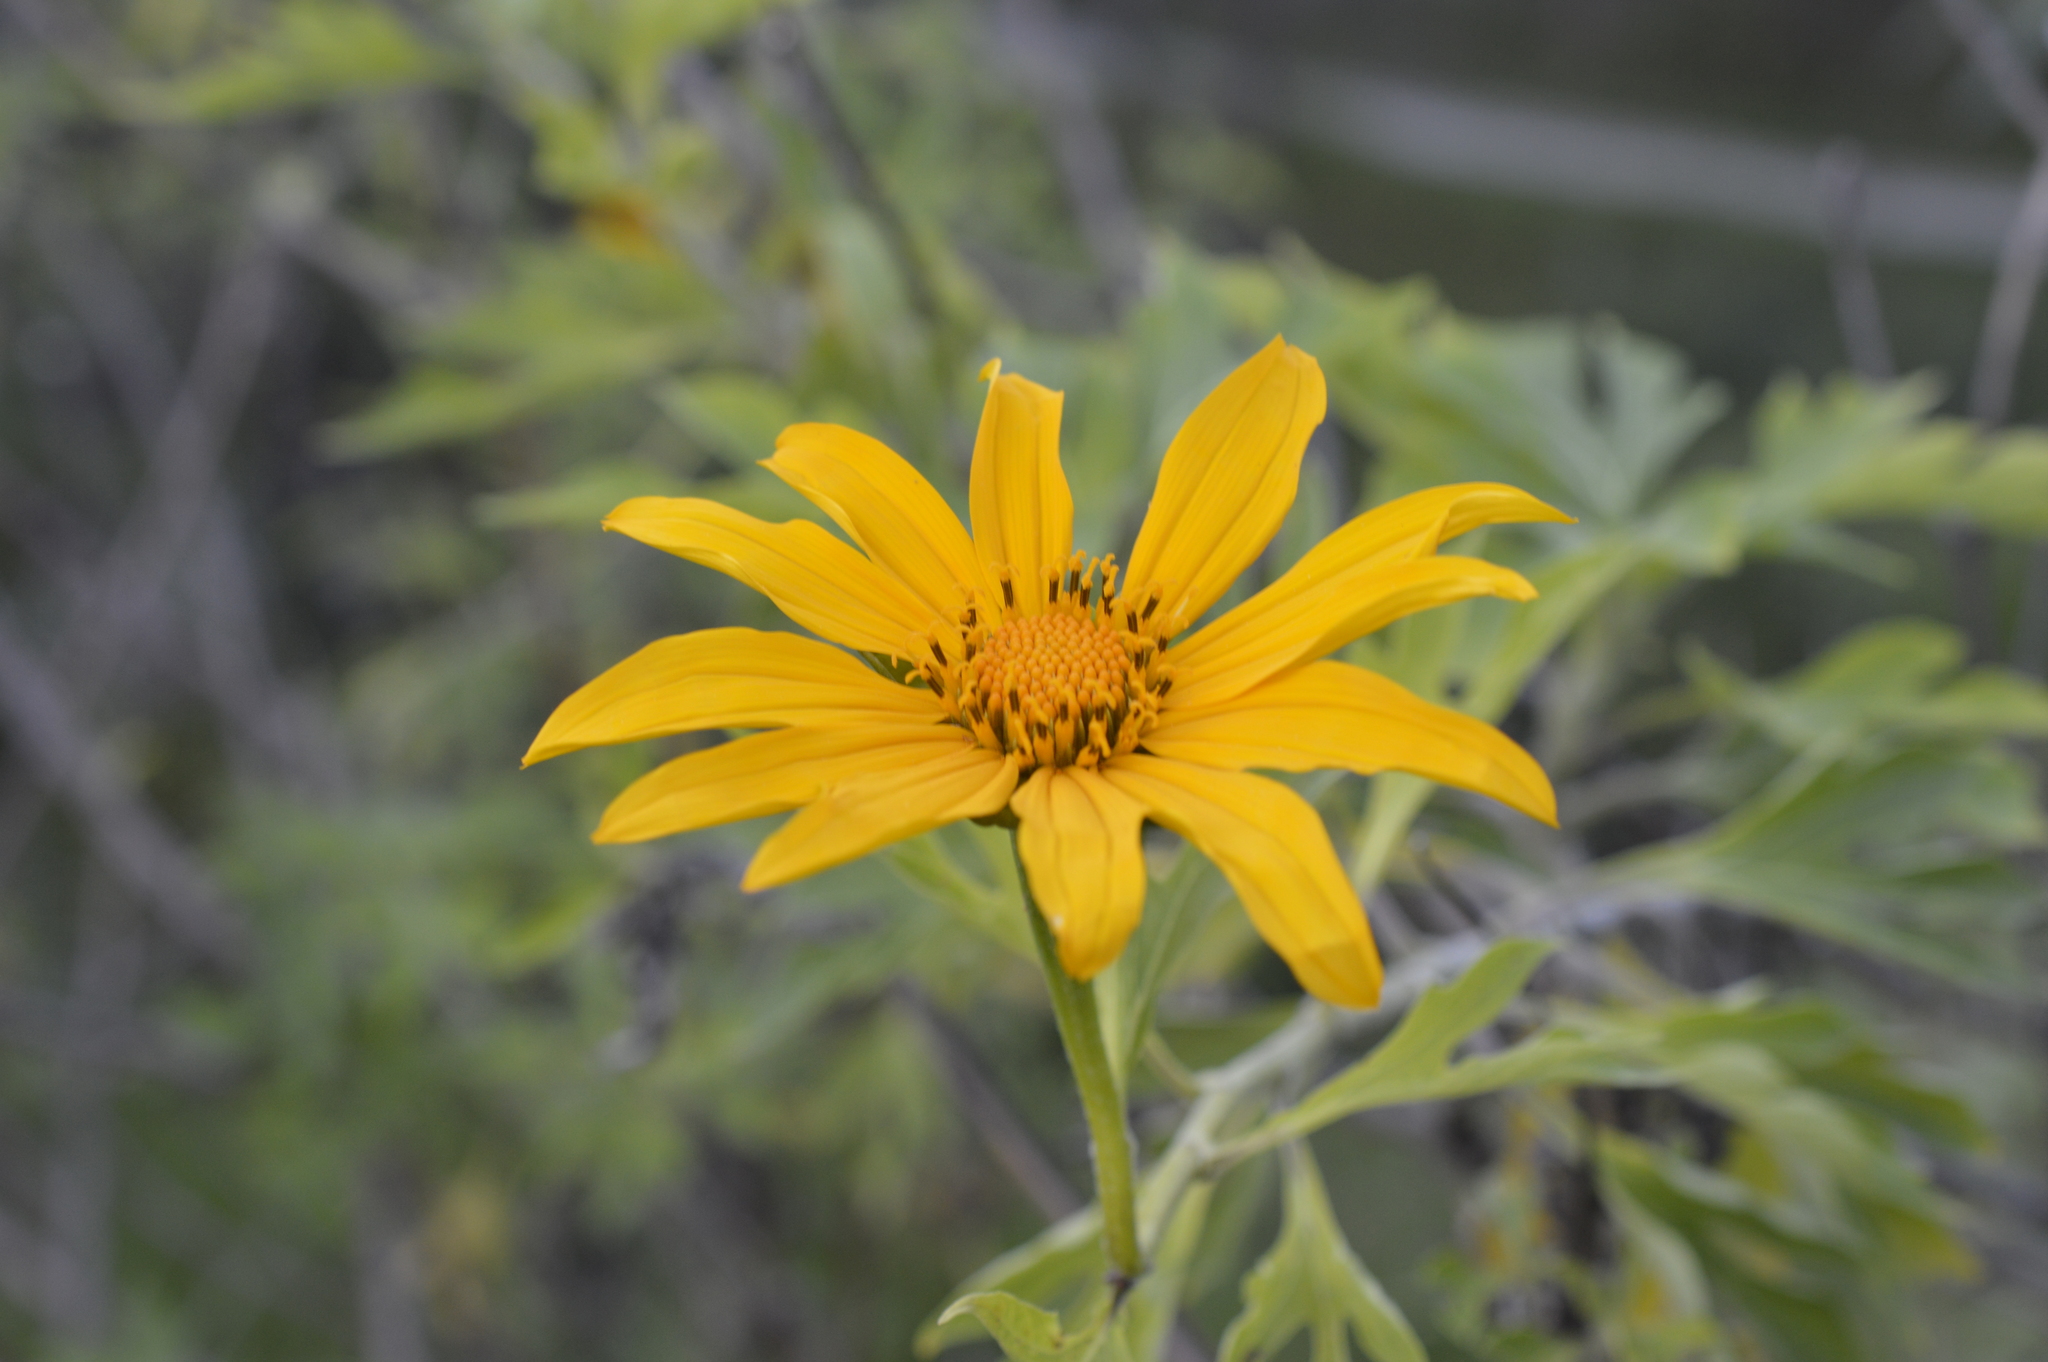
1059,674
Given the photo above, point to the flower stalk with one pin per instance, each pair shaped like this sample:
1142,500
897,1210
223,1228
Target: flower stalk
1102,1100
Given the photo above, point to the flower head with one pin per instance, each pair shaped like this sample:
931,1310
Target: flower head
1057,686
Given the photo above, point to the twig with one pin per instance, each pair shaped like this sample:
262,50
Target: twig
74,37
789,46
2013,292
1991,49
1844,180
983,1104
2000,1188
381,274
2006,318
143,854
78,1185
1483,141
1441,881
106,298
290,735
1168,1066
745,144
21,1253
1034,40
38,1023
389,1306
169,508
2030,633
184,461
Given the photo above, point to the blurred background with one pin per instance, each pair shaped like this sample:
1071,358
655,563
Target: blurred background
329,329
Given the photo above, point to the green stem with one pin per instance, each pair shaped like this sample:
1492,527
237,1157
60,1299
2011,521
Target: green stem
1109,1131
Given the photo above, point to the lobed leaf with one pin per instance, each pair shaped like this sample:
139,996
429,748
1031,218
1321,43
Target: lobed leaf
1311,1280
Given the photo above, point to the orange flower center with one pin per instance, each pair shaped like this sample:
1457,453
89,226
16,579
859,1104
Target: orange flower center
1071,685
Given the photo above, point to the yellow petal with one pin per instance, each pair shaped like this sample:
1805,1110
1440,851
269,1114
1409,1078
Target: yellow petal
867,812
888,508
1328,714
1418,524
1345,571
764,773
1017,493
1272,847
1300,626
728,678
1078,837
821,582
1227,480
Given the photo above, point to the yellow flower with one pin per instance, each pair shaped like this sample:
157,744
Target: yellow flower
1055,685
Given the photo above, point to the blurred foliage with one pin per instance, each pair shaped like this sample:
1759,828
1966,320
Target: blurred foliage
474,1088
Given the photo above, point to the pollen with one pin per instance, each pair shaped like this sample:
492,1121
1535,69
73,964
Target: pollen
1056,673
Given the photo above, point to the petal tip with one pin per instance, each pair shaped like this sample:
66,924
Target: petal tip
618,515
1352,982
1361,999
608,833
1082,965
991,369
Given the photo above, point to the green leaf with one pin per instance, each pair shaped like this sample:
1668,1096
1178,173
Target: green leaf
1413,1064
1875,456
437,405
582,499
737,415
1415,1059
312,51
1310,1279
1570,587
1144,1321
1026,1333
1175,910
1586,415
992,903
1063,1263
1806,1281
646,34
1898,857
1898,677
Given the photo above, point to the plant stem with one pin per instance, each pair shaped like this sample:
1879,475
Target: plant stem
1109,1131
